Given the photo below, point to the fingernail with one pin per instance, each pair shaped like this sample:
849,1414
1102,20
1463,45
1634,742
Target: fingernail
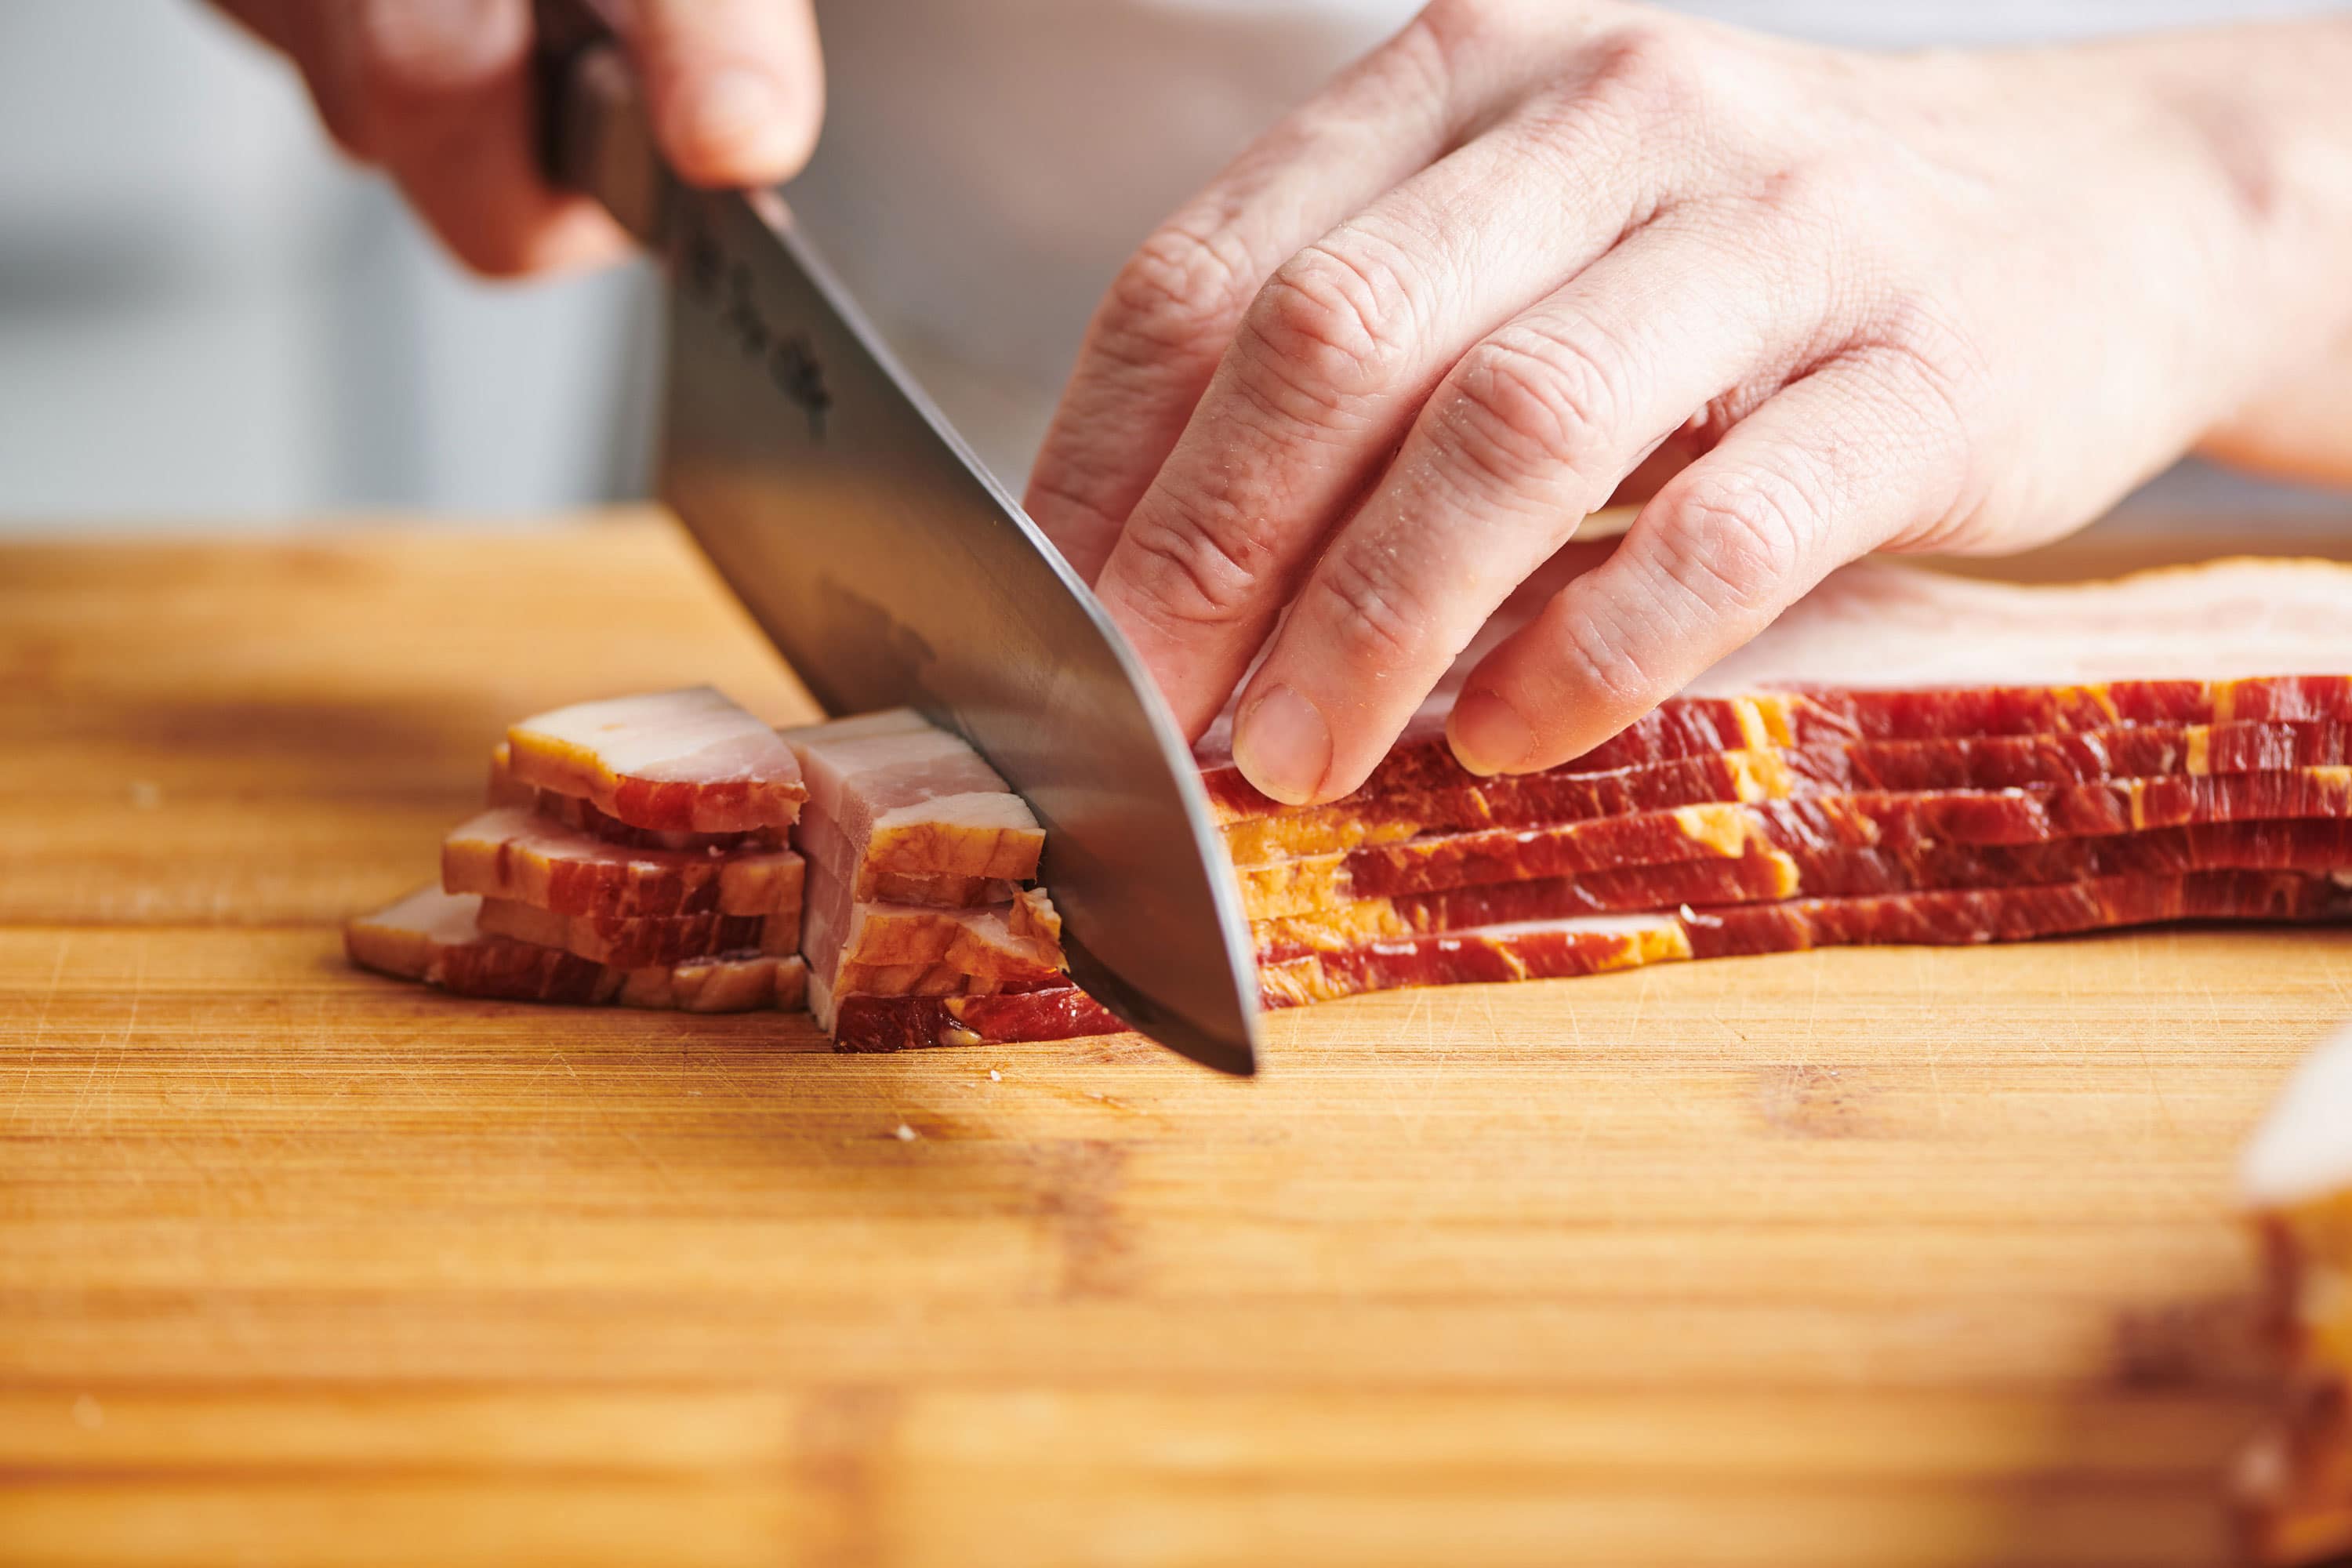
1488,735
739,115
1283,746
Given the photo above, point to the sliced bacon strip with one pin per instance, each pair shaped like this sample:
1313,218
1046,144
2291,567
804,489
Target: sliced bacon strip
641,943
1822,823
1590,944
1880,651
1974,762
1765,874
893,796
673,762
434,937
520,857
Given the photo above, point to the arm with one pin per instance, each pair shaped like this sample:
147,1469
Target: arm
1369,381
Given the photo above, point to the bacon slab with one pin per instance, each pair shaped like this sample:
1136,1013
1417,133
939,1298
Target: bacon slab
2296,1485
641,943
1444,861
521,857
1970,762
434,937
686,762
899,808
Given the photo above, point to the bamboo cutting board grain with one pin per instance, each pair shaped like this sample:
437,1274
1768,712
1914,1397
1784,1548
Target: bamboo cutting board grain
1886,1258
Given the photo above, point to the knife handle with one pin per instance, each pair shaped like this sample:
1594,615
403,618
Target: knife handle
594,134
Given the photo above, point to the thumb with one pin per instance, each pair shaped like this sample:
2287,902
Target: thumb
736,87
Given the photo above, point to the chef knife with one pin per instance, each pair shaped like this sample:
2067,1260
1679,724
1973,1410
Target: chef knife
890,569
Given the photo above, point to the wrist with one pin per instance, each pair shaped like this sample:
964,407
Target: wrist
2261,129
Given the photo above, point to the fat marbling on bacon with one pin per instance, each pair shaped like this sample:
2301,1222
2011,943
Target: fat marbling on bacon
683,762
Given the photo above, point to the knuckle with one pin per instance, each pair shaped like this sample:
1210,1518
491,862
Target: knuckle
1736,545
1178,292
1935,359
1196,563
1329,326
1378,620
1593,666
1527,404
1655,73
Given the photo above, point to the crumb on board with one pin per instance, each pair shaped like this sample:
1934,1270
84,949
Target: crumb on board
995,1077
905,1134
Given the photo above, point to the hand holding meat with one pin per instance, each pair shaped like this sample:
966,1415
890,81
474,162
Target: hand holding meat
439,93
1372,378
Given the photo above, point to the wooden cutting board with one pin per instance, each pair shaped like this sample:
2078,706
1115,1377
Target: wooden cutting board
1883,1258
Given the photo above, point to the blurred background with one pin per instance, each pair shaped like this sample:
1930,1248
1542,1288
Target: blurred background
207,318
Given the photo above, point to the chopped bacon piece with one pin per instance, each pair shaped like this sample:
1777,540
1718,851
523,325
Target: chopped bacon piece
644,943
571,810
685,762
860,946
906,1023
520,857
891,795
434,937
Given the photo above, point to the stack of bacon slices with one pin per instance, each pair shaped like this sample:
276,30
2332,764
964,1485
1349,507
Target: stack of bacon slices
1904,757
635,851
2296,1483
918,860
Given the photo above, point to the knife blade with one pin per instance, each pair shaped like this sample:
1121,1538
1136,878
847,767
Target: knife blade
890,569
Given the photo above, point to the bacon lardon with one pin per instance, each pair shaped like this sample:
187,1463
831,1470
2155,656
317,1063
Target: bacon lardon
869,946
522,857
506,791
890,794
683,762
435,937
